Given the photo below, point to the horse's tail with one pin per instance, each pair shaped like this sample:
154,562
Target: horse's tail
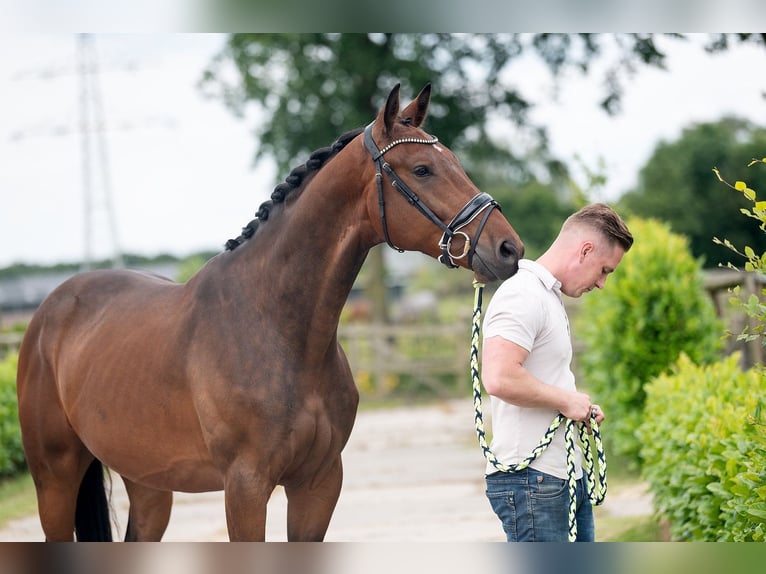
92,517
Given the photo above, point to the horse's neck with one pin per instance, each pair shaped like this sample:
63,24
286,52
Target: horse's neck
302,263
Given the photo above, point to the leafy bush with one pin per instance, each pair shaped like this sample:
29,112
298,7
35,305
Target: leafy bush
754,262
652,308
11,453
704,450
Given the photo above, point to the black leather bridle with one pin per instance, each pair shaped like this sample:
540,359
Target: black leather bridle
481,202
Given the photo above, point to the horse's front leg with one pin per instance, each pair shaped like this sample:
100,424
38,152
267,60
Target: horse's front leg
310,503
246,494
149,512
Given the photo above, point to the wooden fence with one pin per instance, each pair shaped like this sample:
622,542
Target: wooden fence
718,283
410,358
434,358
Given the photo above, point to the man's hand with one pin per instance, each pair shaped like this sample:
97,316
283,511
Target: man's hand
576,406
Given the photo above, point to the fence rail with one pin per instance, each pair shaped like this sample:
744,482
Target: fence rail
435,358
412,357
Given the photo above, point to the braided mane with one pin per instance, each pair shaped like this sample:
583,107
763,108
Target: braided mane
295,181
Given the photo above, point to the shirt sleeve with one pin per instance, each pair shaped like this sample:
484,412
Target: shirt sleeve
514,315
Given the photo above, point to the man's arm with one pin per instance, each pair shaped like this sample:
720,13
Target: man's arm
505,377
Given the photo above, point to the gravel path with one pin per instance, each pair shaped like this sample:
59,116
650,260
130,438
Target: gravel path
411,474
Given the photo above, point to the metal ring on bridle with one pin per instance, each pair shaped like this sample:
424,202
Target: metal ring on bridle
466,245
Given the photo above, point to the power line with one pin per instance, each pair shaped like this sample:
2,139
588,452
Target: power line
93,143
90,126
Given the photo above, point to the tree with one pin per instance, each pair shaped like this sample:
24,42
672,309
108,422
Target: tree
312,87
536,211
676,185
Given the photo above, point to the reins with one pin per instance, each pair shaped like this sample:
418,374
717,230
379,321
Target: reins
596,495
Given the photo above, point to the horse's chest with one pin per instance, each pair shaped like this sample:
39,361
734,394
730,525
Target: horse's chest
317,436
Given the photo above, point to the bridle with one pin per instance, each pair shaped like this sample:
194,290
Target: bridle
481,202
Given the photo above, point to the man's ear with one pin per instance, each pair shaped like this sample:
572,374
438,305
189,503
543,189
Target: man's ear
585,248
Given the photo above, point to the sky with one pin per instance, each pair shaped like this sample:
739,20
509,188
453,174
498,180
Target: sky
180,166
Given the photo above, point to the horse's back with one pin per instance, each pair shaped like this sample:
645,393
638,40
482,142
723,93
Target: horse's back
80,312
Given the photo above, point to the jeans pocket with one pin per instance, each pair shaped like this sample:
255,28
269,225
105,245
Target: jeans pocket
504,505
545,486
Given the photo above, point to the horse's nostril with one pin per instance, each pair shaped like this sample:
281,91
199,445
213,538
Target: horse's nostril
508,250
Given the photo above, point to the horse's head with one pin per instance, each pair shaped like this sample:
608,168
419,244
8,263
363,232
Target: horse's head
423,200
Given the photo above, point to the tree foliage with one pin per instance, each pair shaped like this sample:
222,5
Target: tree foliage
536,212
311,87
305,89
704,450
704,437
676,186
755,261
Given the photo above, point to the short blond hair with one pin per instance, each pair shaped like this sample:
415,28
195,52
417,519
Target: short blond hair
606,221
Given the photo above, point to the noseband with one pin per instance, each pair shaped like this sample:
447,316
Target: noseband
481,202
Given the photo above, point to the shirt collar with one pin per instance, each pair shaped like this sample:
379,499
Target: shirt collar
545,276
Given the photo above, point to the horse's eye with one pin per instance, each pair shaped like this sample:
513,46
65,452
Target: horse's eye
421,171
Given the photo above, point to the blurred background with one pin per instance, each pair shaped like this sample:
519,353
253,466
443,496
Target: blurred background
150,150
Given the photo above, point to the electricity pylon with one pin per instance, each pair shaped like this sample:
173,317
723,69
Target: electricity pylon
96,182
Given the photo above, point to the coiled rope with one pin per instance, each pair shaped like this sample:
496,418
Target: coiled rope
596,494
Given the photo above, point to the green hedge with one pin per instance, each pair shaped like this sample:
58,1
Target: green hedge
11,452
653,307
704,450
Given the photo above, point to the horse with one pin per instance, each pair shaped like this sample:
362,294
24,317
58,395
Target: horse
235,380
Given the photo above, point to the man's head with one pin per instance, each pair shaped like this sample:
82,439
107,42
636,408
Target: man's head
589,247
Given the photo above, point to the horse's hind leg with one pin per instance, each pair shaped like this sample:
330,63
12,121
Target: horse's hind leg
57,476
56,457
149,512
310,504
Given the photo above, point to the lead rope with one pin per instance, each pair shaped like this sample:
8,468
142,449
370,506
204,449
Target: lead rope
596,495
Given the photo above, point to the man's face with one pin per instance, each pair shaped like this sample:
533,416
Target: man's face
595,263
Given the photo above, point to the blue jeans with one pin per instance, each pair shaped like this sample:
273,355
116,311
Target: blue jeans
534,506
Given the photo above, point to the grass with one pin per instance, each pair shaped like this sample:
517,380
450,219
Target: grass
644,530
17,498
623,475
628,529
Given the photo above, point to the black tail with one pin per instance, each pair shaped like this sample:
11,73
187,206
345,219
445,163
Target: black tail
92,518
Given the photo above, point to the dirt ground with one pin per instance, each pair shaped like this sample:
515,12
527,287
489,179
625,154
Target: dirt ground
411,474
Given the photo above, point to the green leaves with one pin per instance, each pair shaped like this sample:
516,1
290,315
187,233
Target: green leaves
11,453
754,262
703,450
721,408
652,308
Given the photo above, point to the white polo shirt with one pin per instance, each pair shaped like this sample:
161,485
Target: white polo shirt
527,310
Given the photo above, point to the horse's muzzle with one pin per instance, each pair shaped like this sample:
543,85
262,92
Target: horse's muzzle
498,262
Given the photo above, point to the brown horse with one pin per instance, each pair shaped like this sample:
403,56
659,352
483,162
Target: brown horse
235,379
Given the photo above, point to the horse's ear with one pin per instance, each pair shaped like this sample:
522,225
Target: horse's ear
416,111
391,110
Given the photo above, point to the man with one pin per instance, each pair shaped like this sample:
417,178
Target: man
526,370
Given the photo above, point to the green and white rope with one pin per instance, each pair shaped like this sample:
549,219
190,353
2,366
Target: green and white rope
596,492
